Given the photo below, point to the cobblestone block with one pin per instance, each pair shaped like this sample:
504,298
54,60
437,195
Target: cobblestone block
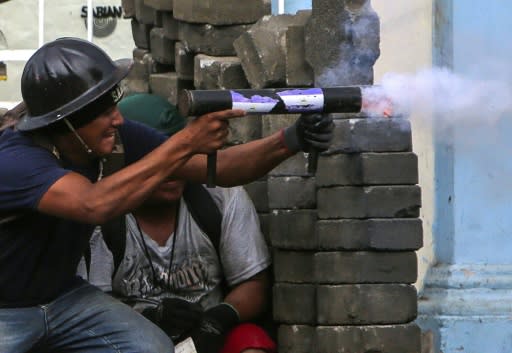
160,5
373,234
294,266
296,165
272,123
261,50
140,34
184,61
298,71
168,85
355,29
366,339
264,226
162,48
221,12
369,202
218,72
365,267
366,304
294,303
170,26
144,14
138,53
258,192
368,169
210,40
296,339
293,229
244,129
137,80
291,192
371,135
128,8
155,67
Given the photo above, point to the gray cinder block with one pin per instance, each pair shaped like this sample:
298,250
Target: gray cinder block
291,192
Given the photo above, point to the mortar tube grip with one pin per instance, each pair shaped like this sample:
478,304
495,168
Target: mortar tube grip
211,170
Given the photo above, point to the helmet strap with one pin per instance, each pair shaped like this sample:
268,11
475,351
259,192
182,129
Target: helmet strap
87,148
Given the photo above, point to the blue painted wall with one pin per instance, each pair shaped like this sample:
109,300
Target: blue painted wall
292,6
482,49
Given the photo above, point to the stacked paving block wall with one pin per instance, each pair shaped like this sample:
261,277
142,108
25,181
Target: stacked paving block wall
343,240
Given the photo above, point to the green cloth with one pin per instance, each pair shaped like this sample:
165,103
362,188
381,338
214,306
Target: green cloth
152,110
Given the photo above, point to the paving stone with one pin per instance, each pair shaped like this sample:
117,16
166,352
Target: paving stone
296,339
368,169
372,234
168,85
369,202
128,8
293,229
364,267
170,26
261,50
258,192
244,129
140,34
298,71
217,72
366,304
294,266
371,135
162,48
155,67
144,14
160,5
221,12
184,61
294,303
210,40
291,192
366,339
356,31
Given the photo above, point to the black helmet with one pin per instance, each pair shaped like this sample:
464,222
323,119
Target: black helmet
63,77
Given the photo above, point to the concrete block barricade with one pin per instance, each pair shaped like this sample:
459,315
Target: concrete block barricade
364,339
162,48
218,72
366,304
244,129
184,61
297,339
293,229
392,234
160,5
399,168
143,13
168,85
291,193
298,71
262,49
257,191
294,303
140,33
221,12
209,39
128,8
170,26
396,201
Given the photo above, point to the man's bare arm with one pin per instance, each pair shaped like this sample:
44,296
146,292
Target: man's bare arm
249,298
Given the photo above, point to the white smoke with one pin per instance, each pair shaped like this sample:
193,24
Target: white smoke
447,97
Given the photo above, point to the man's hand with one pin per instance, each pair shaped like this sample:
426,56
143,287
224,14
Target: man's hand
216,322
175,316
310,131
209,132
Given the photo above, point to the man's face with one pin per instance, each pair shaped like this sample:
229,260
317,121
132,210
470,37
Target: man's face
99,134
168,191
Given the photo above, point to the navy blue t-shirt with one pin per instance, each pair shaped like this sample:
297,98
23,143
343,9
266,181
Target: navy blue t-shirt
39,253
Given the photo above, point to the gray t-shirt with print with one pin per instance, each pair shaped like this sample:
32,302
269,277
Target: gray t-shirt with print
195,273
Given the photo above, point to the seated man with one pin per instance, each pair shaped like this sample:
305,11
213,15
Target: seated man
176,270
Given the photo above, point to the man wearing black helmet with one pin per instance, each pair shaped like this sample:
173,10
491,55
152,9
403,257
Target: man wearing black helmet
56,183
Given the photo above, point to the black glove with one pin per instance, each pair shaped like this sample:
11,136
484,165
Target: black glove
216,322
310,131
175,316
